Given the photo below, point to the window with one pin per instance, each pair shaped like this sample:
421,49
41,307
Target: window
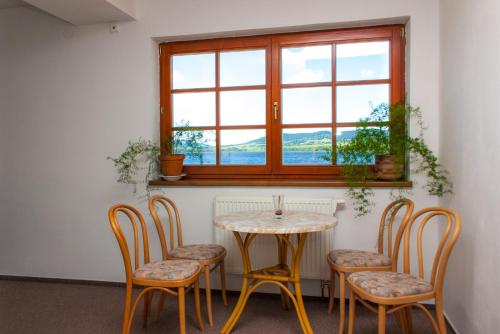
276,106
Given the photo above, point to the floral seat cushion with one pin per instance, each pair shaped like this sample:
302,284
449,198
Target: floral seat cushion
169,270
197,252
358,258
389,284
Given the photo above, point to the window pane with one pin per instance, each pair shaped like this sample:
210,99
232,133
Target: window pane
193,71
243,107
307,105
243,147
306,64
363,61
243,68
203,153
343,136
307,146
355,102
197,109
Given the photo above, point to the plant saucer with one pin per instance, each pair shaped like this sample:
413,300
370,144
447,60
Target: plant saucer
172,177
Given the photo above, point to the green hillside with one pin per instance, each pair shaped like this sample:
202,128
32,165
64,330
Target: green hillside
304,142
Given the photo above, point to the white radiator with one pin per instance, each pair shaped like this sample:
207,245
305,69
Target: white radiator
263,251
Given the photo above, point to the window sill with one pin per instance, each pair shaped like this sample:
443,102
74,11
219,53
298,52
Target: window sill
189,182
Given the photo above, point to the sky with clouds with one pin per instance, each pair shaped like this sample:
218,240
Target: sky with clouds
354,61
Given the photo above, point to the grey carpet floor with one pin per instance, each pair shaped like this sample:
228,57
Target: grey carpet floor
39,307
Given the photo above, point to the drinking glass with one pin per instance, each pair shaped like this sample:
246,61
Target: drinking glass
278,201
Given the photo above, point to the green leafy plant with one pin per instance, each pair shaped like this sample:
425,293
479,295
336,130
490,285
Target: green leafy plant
385,132
127,163
185,139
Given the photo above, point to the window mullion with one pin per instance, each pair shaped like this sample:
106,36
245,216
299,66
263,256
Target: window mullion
217,108
275,124
334,103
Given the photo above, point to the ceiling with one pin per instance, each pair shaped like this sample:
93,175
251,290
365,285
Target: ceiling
10,3
81,12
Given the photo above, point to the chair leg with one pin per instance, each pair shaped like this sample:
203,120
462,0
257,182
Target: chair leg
208,295
440,315
331,291
147,303
352,312
197,304
126,311
409,321
182,310
401,321
160,305
381,319
223,282
342,302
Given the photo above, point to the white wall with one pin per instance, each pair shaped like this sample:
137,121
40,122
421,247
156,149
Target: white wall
74,95
470,145
3,138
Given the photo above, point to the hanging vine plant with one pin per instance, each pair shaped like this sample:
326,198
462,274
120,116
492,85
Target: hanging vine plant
127,163
184,139
383,137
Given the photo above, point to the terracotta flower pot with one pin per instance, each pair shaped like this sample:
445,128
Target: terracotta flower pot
388,168
171,165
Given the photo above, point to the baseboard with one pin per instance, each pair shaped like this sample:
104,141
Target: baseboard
121,284
450,324
60,280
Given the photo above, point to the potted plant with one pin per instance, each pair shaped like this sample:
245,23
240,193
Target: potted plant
184,139
381,149
128,162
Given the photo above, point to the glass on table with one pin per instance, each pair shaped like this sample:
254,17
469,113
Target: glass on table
278,201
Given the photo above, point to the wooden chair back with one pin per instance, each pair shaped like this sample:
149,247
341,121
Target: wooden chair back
388,219
133,216
174,222
453,226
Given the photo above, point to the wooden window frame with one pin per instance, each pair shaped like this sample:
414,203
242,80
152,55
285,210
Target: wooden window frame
273,169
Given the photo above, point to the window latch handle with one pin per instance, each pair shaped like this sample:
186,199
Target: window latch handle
275,106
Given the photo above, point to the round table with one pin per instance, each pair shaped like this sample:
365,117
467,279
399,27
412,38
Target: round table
254,223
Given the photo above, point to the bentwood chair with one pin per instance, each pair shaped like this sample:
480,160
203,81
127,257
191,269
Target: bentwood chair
168,276
345,261
208,255
394,292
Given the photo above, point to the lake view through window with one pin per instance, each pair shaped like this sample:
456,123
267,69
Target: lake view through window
280,104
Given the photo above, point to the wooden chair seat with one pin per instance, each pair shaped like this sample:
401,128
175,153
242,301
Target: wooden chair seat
344,262
358,258
169,270
197,252
209,256
171,277
388,284
397,293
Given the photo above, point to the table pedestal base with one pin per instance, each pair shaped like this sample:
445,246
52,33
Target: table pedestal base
280,275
